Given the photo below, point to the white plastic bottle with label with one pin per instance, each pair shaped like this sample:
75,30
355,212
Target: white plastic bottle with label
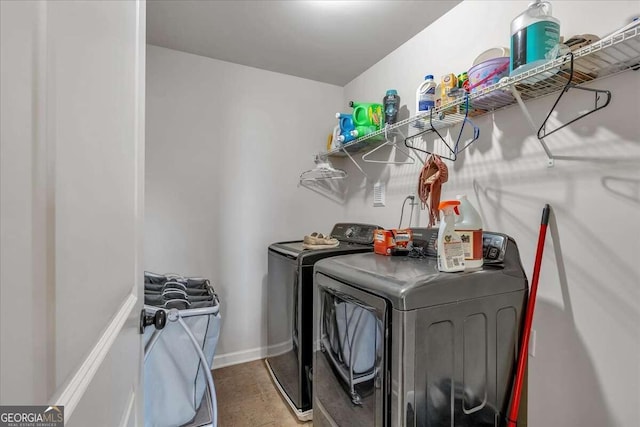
450,252
469,227
534,33
426,95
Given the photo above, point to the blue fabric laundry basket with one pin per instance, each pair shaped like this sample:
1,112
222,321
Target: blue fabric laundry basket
174,378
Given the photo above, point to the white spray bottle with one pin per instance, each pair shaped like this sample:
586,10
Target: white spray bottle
450,251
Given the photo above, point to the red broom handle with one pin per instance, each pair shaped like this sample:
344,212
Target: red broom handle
531,305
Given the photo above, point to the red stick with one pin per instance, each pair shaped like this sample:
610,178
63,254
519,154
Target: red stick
512,418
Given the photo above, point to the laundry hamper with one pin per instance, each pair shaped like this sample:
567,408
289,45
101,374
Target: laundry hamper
179,350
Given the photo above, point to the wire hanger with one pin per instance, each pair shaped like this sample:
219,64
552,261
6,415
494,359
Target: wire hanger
476,129
409,161
542,132
453,152
322,171
431,129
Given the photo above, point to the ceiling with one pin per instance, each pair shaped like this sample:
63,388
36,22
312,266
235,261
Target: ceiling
327,41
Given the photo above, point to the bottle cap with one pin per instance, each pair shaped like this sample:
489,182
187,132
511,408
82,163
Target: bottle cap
392,92
428,77
447,203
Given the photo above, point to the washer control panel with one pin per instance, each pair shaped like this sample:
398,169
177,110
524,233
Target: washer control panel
494,246
354,233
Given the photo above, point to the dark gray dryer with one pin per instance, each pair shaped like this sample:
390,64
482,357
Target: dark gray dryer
402,344
290,310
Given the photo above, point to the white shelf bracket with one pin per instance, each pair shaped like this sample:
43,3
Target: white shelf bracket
527,115
410,159
354,162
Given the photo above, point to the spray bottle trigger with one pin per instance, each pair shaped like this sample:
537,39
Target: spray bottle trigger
455,209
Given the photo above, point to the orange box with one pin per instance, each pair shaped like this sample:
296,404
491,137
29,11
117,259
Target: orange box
403,239
383,242
386,242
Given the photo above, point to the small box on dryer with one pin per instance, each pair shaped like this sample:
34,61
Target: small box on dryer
390,242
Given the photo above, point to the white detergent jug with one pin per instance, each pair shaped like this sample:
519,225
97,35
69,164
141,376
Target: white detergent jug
426,95
450,252
469,226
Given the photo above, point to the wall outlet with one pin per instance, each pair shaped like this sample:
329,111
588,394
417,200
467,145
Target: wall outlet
415,201
379,194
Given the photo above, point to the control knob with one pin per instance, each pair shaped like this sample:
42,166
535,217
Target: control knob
349,232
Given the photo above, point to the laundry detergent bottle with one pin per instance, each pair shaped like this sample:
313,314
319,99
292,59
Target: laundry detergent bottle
533,33
426,94
367,114
333,142
346,126
450,251
469,227
361,131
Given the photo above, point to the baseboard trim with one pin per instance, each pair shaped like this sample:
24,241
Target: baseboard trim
70,393
128,412
237,357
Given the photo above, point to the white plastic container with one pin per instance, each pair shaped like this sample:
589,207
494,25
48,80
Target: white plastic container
426,94
335,140
533,34
450,252
469,226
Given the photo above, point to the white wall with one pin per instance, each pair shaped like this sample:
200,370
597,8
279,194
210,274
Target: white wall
225,147
585,372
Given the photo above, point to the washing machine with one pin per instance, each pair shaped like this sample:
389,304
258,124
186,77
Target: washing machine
401,344
290,310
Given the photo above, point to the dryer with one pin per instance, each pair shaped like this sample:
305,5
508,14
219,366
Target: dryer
290,310
402,344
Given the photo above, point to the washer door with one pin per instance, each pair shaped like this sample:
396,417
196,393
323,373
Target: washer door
350,365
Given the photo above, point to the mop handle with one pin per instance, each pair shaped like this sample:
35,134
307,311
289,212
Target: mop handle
512,418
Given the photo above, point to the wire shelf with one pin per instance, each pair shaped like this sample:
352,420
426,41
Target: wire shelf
614,54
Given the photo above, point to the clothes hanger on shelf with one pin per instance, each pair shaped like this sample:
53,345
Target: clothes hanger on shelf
322,171
387,142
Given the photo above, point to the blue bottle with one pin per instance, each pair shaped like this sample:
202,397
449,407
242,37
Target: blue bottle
391,104
346,126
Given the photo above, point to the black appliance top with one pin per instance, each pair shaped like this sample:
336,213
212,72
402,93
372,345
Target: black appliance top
353,238
411,283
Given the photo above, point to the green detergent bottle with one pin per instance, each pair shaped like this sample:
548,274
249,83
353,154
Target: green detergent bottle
367,114
361,131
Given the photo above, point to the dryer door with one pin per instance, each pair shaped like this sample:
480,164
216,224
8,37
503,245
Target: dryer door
350,363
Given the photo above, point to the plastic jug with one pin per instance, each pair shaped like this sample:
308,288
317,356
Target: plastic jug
469,226
426,94
346,126
333,141
361,131
533,33
367,114
450,251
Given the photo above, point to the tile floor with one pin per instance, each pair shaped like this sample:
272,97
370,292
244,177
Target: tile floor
247,397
